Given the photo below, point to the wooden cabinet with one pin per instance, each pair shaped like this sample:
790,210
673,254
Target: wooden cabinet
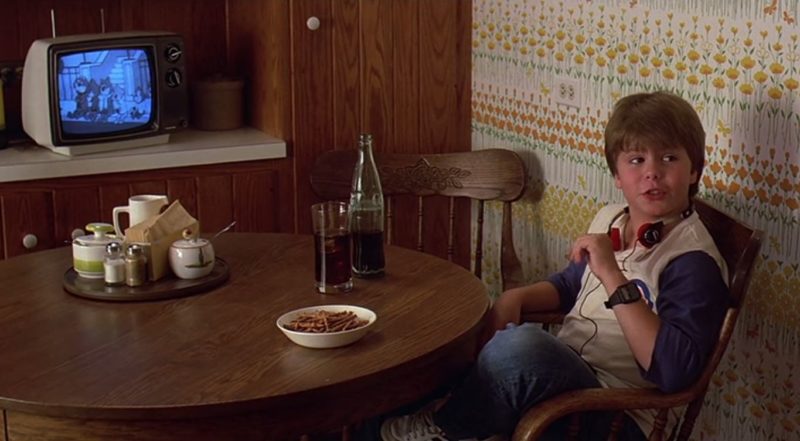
51,210
27,222
398,69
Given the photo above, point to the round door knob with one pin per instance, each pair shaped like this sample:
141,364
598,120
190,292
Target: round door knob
29,241
76,233
312,23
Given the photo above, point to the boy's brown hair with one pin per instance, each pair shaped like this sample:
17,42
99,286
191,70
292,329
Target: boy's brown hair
660,120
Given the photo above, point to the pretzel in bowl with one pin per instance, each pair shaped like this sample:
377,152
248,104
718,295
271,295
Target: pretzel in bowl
325,321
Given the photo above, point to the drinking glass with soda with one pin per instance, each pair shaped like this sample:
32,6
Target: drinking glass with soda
332,253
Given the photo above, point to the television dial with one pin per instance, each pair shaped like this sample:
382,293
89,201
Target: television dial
174,78
173,53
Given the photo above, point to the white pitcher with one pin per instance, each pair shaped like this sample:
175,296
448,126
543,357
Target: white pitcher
140,208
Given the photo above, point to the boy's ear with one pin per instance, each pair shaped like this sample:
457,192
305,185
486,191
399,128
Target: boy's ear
618,183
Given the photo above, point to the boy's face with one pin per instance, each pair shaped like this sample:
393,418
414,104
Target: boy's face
655,181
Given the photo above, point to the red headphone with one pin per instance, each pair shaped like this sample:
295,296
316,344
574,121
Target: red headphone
649,234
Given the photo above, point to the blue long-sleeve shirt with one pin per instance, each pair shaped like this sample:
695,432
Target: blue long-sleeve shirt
691,305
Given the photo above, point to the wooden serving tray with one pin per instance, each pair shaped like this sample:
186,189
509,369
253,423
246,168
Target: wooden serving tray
166,288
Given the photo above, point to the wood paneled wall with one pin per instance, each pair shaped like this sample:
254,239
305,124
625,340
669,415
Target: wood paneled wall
399,69
202,24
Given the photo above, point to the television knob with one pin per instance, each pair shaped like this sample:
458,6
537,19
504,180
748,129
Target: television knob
174,78
173,53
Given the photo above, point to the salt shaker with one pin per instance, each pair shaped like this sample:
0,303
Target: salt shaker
114,265
135,266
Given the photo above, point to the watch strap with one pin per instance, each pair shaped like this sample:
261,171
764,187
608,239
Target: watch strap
624,294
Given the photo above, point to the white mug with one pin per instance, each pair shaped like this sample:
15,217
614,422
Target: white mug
140,208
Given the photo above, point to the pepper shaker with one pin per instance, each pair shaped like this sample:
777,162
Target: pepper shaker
135,266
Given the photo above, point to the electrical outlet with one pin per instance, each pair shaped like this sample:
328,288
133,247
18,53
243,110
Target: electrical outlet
567,92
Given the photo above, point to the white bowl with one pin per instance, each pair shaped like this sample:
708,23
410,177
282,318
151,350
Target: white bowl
327,339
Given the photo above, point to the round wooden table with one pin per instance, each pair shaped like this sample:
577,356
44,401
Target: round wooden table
214,366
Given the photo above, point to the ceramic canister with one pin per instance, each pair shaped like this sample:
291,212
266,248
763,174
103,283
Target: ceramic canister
88,251
191,258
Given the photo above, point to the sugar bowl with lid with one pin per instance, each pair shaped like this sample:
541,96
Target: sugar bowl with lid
88,252
191,257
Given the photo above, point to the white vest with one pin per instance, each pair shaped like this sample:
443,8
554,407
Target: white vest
606,350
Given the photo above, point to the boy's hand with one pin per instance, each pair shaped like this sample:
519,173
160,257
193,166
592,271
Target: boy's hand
509,307
506,309
598,252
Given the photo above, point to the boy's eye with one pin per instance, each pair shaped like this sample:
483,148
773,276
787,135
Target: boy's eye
669,158
636,160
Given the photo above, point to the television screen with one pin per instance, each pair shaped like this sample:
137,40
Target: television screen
105,91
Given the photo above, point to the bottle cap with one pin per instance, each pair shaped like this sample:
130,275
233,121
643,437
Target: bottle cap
113,248
134,250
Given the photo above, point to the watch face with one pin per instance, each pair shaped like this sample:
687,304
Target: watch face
627,293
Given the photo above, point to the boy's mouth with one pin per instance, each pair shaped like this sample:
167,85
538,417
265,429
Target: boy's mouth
654,193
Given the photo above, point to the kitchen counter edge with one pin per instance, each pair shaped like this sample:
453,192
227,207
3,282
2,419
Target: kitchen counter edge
186,148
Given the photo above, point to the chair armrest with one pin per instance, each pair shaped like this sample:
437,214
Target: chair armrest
539,417
545,317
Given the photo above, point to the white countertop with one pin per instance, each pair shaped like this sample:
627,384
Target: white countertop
185,148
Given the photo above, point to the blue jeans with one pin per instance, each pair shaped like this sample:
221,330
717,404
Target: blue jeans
519,367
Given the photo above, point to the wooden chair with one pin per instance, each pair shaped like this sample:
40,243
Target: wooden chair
483,175
739,245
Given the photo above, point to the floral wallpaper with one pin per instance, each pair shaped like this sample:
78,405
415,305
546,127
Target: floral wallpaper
736,61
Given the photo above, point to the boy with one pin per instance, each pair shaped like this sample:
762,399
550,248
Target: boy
645,290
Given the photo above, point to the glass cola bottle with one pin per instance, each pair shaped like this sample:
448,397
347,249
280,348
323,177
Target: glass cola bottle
366,213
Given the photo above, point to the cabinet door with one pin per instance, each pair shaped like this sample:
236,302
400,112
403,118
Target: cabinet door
157,186
255,201
183,190
73,209
28,218
214,202
313,97
112,195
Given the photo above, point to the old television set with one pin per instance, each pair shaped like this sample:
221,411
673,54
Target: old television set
102,92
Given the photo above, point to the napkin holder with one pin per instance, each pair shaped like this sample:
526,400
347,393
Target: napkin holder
158,233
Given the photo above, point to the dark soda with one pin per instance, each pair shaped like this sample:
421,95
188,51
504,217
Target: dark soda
332,260
368,258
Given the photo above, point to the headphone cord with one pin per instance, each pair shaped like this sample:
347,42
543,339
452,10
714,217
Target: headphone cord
580,313
586,296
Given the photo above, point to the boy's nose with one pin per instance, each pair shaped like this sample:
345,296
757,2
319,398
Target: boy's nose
652,171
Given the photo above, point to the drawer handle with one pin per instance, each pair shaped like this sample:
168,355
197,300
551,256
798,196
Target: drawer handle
29,241
312,23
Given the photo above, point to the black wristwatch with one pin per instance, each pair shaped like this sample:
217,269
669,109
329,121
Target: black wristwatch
625,293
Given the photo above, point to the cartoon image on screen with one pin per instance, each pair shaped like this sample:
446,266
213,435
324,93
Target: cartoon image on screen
104,91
